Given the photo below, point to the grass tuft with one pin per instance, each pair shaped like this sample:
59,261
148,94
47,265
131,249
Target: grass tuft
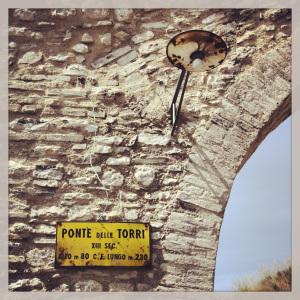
278,279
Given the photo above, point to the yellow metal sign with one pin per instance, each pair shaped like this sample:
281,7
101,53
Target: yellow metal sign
81,244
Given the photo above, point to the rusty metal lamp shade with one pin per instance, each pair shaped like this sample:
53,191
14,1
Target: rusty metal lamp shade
193,51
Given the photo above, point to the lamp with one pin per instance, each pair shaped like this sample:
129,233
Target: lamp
193,51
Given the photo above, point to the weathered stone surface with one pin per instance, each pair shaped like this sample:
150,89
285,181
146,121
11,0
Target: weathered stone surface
63,12
78,196
68,137
128,196
121,287
122,35
127,58
24,14
105,39
96,14
152,46
76,70
42,258
31,57
155,25
87,38
144,175
21,229
131,214
45,229
153,139
213,18
27,284
109,140
102,149
24,32
46,183
62,288
80,213
17,168
124,14
49,211
61,57
48,174
80,48
118,161
81,181
112,179
110,57
76,112
79,147
88,286
143,37
97,114
16,259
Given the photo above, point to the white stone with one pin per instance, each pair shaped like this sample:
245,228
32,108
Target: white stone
143,37
212,18
128,196
96,13
45,229
124,60
100,62
80,48
12,45
24,14
60,137
109,140
24,284
97,114
81,181
153,139
112,178
42,258
88,286
123,14
131,214
31,57
79,147
48,174
46,183
144,175
105,39
102,149
118,161
76,70
80,213
87,38
155,25
78,196
48,211
152,46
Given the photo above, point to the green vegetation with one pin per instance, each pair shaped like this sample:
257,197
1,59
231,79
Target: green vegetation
268,281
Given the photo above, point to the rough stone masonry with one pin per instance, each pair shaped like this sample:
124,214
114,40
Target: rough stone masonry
89,135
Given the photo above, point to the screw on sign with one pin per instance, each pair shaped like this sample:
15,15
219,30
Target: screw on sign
193,51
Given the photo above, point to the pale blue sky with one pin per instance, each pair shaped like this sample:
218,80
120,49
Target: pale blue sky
256,230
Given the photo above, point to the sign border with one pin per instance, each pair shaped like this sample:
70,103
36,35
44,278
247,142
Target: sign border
148,266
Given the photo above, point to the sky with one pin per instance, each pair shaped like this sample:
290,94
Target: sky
256,230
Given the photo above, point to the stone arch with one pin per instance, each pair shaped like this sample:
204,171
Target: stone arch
123,106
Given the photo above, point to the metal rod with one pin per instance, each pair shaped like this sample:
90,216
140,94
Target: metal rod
181,77
180,103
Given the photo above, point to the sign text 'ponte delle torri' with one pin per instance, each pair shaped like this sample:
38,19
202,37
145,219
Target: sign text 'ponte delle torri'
81,244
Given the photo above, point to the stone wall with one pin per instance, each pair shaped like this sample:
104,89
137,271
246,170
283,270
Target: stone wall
89,92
